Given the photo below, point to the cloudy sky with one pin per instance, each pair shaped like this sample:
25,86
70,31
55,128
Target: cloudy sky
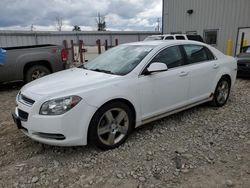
119,14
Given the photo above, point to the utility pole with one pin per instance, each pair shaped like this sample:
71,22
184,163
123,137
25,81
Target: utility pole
32,27
158,25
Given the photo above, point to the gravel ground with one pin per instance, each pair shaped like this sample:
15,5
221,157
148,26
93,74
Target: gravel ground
200,147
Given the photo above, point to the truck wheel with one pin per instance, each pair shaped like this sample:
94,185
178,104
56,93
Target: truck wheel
35,72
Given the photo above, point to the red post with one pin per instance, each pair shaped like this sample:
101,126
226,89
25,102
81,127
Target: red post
106,45
64,52
72,51
80,44
116,42
98,43
65,44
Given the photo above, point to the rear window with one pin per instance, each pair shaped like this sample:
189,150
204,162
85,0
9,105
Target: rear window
195,38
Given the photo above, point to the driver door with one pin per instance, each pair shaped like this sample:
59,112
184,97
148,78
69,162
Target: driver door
165,91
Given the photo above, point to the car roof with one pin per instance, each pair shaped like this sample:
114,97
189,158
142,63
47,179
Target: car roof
165,42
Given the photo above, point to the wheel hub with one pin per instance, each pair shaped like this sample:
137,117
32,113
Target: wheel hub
113,126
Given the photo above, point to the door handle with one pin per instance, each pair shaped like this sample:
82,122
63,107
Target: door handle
183,73
215,66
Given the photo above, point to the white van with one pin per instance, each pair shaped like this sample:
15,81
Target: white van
174,37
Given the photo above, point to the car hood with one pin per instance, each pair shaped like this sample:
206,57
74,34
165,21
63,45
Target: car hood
66,81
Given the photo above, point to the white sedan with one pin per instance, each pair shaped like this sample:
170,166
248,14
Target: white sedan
127,86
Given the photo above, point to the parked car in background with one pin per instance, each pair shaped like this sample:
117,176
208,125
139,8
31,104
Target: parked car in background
127,86
175,37
30,62
243,61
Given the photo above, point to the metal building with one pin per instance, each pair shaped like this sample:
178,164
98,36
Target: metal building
23,38
216,20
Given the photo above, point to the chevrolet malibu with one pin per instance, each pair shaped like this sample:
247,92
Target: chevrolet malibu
130,85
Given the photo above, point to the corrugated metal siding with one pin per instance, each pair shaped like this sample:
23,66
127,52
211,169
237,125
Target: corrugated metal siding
22,38
225,15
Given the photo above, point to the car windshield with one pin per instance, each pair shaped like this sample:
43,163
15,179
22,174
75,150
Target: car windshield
246,49
119,60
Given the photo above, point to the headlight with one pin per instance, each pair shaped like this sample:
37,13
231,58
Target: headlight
59,106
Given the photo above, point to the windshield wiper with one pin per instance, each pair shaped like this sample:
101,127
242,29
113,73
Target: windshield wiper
102,70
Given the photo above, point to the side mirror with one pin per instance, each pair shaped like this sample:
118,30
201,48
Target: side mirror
156,67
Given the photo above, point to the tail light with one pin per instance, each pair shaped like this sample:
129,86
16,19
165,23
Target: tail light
64,54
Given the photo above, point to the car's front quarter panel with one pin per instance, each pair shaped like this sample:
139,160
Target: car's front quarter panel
72,124
126,88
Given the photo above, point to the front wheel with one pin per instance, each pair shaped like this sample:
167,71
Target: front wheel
111,125
35,72
222,92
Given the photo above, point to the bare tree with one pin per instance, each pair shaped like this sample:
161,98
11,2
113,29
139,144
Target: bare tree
101,24
76,28
59,23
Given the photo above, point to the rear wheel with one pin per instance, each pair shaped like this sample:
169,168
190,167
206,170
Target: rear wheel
111,125
222,92
35,72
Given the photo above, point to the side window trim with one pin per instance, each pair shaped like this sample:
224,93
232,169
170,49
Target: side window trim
150,61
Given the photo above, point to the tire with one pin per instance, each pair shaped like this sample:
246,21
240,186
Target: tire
222,92
111,125
35,72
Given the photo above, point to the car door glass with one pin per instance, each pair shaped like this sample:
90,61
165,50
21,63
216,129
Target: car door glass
169,38
171,56
179,37
196,53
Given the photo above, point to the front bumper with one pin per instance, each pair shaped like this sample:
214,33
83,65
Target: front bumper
69,129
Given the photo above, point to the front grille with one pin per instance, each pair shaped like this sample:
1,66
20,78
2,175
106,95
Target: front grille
23,115
23,99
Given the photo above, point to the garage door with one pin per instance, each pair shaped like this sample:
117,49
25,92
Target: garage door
247,37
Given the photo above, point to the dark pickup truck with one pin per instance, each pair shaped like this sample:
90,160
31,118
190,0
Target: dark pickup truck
28,63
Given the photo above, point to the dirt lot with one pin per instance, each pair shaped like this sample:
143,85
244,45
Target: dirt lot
213,146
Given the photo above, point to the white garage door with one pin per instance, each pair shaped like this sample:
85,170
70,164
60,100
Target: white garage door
247,37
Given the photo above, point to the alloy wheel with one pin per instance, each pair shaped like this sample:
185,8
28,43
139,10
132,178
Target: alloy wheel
223,92
37,74
113,126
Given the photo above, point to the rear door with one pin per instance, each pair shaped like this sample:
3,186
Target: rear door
203,68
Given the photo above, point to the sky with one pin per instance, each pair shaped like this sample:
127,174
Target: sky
120,15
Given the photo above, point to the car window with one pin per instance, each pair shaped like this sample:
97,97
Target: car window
246,49
197,53
210,55
149,38
195,38
180,37
171,56
169,38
